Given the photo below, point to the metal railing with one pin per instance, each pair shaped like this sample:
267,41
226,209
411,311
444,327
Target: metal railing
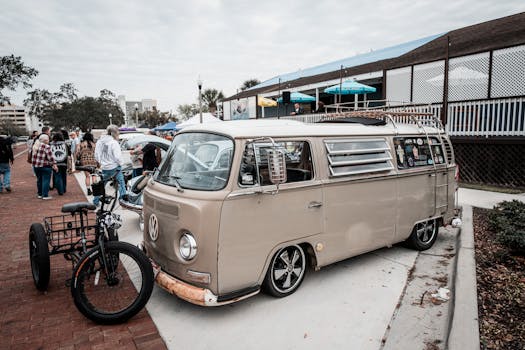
487,118
498,117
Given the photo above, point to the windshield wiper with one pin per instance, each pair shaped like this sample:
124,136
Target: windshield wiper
176,181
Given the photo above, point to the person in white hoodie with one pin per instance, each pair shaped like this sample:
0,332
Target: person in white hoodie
109,156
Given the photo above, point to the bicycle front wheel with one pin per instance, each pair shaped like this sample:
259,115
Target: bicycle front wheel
112,288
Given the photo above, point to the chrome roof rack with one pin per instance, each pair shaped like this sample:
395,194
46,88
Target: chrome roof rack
395,117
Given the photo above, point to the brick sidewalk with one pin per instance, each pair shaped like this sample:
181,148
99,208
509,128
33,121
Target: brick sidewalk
30,319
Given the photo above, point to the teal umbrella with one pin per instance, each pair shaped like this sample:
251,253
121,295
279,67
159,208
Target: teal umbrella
349,87
298,97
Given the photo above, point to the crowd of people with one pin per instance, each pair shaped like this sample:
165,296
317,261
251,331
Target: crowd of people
54,154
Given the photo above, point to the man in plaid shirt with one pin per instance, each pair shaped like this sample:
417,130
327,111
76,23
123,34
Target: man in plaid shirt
43,163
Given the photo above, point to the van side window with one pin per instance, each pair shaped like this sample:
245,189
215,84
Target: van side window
414,152
254,165
358,156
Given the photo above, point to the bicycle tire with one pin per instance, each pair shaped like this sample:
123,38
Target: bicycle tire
117,298
39,256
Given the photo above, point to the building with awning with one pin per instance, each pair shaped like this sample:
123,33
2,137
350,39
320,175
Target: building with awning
472,78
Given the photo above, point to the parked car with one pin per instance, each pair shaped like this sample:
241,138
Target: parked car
128,144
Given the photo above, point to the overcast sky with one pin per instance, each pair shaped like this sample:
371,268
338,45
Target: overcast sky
158,49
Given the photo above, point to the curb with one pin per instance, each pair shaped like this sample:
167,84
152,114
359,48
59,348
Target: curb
464,331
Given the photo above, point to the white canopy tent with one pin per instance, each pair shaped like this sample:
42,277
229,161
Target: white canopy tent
206,118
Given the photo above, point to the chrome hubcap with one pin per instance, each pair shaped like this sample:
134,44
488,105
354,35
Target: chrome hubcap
288,269
426,231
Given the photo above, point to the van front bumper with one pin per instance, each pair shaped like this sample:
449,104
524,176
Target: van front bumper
190,293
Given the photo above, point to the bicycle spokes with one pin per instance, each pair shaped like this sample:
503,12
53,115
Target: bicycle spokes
110,284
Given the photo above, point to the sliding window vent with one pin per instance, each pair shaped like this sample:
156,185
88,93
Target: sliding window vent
360,156
448,149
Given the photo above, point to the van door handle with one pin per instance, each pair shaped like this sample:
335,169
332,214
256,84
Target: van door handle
432,175
315,205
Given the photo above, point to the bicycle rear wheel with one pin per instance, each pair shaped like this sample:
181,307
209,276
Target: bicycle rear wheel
39,256
115,288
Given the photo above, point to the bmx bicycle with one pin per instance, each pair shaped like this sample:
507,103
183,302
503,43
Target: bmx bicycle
112,280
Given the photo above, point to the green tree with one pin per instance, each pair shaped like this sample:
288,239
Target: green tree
38,102
63,109
249,83
210,97
153,118
186,111
7,127
12,73
66,93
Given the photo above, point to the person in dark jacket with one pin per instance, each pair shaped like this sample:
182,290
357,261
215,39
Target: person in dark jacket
297,109
6,160
151,157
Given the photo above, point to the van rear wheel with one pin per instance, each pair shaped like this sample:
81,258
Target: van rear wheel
423,235
286,271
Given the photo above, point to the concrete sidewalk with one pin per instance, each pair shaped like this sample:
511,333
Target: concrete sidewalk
30,319
464,330
485,199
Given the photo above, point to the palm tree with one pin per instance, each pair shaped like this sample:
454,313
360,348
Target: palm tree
249,83
210,97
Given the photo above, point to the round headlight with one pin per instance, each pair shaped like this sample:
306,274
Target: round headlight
187,246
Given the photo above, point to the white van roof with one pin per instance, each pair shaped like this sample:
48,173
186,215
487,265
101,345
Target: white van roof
290,128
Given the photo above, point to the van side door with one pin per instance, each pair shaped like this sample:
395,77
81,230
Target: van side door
360,196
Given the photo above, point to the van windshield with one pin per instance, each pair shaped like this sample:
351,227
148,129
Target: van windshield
197,161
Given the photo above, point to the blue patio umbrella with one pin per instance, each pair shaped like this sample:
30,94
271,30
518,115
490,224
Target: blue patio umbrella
298,97
167,127
349,87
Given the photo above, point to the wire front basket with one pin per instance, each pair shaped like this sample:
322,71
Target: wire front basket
64,231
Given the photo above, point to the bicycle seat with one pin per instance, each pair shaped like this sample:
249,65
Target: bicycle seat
77,206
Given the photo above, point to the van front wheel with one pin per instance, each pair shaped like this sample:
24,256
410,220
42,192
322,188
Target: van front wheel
423,235
286,271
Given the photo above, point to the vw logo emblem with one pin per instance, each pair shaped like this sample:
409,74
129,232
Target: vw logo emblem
153,227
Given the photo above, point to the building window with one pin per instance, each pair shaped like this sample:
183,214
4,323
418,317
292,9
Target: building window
428,82
508,72
468,77
398,84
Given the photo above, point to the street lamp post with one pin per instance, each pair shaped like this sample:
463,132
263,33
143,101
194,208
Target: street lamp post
199,83
110,116
136,115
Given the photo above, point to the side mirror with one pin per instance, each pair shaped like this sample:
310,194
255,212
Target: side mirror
276,166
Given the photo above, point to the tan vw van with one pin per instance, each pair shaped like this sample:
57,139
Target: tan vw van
264,199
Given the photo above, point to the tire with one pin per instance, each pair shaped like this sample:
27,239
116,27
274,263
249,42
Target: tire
423,235
114,297
39,256
286,271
